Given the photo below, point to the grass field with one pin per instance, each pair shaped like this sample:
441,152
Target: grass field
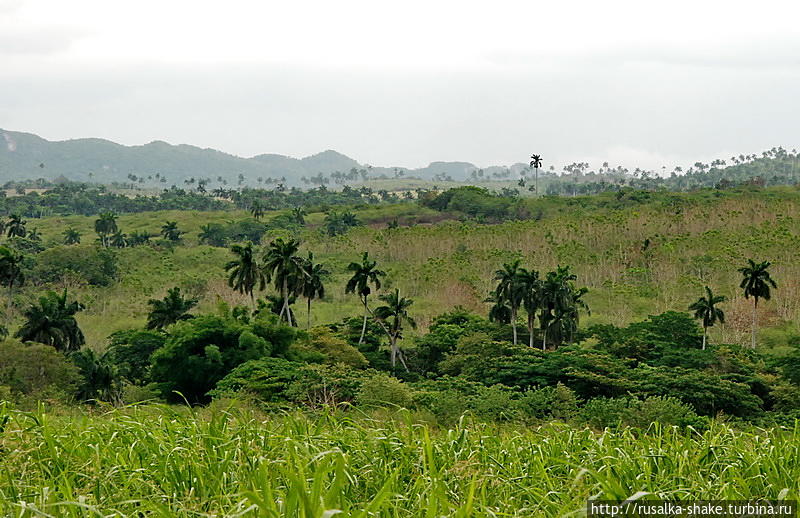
637,260
232,461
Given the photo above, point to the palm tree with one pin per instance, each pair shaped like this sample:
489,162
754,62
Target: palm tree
536,163
499,311
244,271
257,209
313,287
705,309
756,283
299,215
105,225
118,240
52,322
170,231
172,308
34,235
391,317
364,274
531,293
284,268
11,273
100,377
72,236
16,226
508,290
559,305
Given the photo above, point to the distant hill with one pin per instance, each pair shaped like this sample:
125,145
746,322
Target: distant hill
27,156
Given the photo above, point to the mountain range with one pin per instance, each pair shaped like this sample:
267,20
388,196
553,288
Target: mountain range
26,156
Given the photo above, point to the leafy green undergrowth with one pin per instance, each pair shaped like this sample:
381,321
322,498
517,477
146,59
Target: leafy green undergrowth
231,460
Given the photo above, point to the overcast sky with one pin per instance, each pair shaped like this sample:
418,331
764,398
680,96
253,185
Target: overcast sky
639,83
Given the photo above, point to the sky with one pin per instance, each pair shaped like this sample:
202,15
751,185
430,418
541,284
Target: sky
639,84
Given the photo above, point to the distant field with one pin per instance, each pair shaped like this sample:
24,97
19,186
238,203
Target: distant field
636,260
223,461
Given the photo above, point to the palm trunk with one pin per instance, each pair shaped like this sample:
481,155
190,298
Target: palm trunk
755,323
530,332
8,304
514,323
308,315
544,337
705,334
364,326
285,295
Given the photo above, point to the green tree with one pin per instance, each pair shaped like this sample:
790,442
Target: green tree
72,237
756,283
364,274
105,225
313,285
509,290
100,377
299,215
170,231
705,309
257,209
11,274
34,235
284,268
560,304
52,322
118,240
531,293
15,226
172,308
244,272
393,315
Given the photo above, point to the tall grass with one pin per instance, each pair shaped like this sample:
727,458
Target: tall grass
232,461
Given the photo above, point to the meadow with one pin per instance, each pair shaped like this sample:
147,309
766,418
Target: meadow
637,257
231,460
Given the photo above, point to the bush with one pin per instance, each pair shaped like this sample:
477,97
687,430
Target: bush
330,385
131,350
268,379
97,266
627,411
557,402
36,371
384,390
333,348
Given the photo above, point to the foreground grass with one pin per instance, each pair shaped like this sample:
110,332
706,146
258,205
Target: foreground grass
171,461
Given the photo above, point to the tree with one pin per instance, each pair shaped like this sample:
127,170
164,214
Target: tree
245,273
299,215
705,309
392,316
101,379
364,274
531,294
118,240
284,269
560,303
536,163
172,308
105,225
11,273
756,283
257,210
313,287
508,290
170,231
34,235
52,322
72,237
15,226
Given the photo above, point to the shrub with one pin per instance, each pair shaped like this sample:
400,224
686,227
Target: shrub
384,390
36,371
333,348
330,385
268,379
131,350
97,266
627,411
557,402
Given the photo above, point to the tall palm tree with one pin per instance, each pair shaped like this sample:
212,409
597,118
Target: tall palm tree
105,225
170,231
257,209
508,290
172,308
11,274
52,322
284,269
15,226
72,236
536,163
392,316
756,283
705,309
364,274
245,273
530,290
313,287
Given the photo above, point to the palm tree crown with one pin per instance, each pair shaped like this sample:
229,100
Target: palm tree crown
756,283
244,272
172,308
706,310
52,322
313,286
364,274
392,316
284,268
